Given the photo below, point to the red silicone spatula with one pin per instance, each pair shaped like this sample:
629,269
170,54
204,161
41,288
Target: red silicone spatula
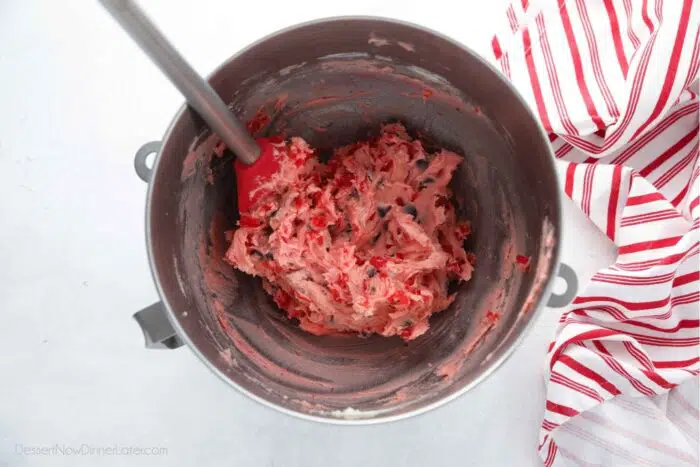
256,162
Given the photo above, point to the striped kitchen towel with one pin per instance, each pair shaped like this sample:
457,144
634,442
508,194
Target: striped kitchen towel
615,83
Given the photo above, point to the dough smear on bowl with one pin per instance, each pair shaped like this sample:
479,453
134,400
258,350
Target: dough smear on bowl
367,243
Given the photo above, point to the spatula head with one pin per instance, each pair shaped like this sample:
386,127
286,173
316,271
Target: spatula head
250,177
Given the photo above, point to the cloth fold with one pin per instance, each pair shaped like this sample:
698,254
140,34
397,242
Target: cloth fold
615,82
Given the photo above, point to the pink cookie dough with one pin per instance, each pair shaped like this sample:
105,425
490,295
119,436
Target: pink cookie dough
366,243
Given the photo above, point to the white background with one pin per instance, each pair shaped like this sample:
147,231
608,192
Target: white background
77,99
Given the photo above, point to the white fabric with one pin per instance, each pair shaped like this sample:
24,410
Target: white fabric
616,84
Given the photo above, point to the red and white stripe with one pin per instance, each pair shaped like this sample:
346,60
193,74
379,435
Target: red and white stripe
615,82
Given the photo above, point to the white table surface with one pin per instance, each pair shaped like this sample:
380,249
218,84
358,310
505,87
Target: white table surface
78,98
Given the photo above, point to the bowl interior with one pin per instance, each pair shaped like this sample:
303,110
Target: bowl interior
367,72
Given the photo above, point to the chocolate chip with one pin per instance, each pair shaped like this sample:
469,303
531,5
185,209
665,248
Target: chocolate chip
371,272
452,287
425,182
269,256
410,209
428,180
354,193
422,164
376,237
267,231
383,210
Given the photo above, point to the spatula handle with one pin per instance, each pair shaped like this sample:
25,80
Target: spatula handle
199,93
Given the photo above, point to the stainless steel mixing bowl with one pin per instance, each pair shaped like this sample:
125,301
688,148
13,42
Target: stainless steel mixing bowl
333,82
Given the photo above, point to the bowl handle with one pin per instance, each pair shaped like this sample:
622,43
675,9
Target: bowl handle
567,273
157,330
142,168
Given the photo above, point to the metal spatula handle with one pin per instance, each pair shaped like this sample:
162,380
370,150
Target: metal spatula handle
198,93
